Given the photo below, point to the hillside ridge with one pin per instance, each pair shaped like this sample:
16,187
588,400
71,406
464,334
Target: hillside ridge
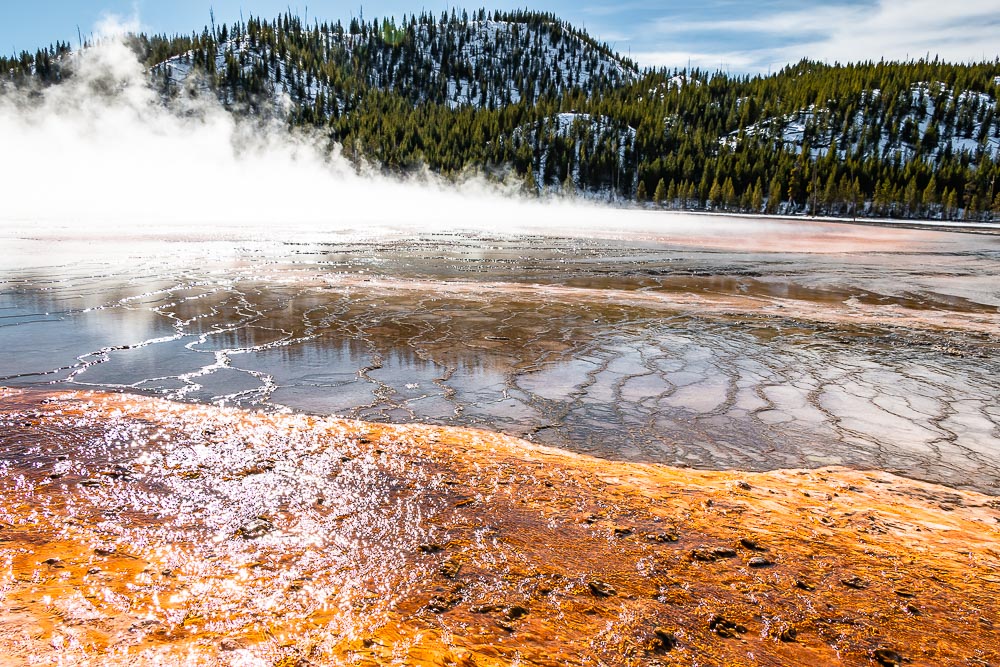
525,95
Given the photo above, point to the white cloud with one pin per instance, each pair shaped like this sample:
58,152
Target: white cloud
114,26
892,29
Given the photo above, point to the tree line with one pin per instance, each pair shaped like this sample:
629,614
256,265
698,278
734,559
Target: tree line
524,95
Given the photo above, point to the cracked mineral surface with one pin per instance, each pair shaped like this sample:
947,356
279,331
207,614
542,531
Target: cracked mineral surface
716,344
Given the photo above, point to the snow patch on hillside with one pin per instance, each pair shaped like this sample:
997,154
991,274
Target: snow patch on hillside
931,119
481,64
583,133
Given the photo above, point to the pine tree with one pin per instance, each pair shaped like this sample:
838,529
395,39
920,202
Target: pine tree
911,197
530,185
640,194
744,204
660,193
929,196
757,198
856,198
728,194
715,195
673,194
949,200
971,209
568,186
774,195
971,200
703,193
795,185
830,192
880,202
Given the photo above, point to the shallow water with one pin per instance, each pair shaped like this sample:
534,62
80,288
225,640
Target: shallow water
719,344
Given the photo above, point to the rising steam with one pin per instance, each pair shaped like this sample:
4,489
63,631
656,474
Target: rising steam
101,151
102,155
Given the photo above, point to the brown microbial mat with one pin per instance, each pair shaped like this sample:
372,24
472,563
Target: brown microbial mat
135,531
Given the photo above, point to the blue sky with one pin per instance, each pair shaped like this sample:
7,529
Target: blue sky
733,35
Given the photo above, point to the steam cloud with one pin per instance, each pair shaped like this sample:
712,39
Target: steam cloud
102,155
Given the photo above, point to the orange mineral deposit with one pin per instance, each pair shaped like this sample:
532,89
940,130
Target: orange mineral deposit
135,531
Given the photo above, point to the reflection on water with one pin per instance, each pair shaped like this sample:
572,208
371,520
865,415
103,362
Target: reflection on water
712,351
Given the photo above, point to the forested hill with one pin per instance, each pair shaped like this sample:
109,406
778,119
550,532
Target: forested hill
525,95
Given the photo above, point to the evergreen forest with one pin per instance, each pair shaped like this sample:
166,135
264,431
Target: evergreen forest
523,96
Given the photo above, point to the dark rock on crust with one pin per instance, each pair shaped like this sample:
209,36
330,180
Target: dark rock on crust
601,589
726,628
751,544
516,612
450,568
887,657
662,537
255,528
665,640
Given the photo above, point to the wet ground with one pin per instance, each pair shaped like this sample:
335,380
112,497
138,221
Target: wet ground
715,343
137,531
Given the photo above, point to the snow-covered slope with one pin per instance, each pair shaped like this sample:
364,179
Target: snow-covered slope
931,120
574,136
482,63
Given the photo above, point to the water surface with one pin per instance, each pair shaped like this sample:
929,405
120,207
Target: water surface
694,341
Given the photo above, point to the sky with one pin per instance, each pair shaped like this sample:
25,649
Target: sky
731,35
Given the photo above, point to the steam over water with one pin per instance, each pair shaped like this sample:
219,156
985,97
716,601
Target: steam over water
708,342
